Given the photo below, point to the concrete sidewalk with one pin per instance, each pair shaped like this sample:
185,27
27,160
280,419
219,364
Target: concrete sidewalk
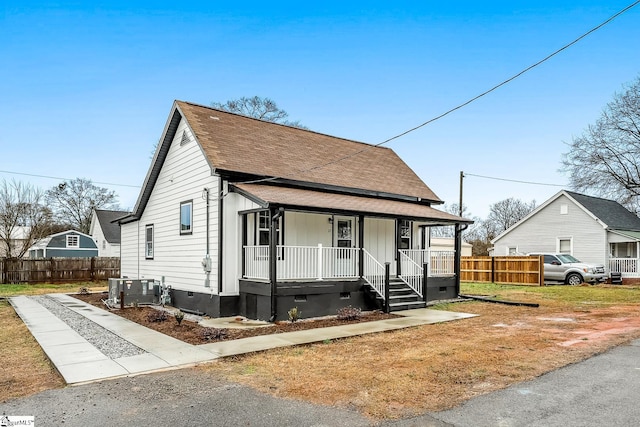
78,361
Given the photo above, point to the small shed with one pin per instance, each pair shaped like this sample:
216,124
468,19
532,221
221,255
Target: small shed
67,244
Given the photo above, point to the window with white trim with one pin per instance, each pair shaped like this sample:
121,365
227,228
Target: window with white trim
565,245
263,228
73,241
512,250
186,217
404,228
148,242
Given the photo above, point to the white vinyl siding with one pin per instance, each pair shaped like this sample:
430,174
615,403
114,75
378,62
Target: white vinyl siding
232,240
541,233
177,258
379,240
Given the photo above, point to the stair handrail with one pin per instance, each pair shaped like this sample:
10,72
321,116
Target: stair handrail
373,273
411,273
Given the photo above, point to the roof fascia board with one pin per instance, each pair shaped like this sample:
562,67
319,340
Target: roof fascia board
168,134
264,204
623,234
233,189
230,175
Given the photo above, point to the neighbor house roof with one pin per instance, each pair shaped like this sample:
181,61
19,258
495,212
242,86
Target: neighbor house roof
610,212
288,197
110,229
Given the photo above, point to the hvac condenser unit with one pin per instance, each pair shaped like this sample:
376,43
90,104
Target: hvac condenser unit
139,291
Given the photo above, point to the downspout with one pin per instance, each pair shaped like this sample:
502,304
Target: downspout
273,256
457,254
220,231
361,246
207,255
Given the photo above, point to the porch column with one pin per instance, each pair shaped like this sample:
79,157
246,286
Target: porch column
273,258
456,255
361,246
244,244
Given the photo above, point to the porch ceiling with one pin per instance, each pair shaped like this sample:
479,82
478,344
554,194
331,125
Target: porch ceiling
333,202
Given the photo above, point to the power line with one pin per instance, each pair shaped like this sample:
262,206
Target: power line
546,58
514,180
475,98
67,179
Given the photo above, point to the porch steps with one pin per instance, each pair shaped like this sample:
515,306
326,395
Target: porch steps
402,297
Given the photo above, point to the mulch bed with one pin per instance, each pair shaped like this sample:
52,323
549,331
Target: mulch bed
193,333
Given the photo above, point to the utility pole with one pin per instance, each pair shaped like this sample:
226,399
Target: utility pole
460,204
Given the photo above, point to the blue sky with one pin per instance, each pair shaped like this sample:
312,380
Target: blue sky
87,86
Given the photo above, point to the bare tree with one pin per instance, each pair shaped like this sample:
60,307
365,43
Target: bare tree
605,159
502,215
449,230
73,202
24,219
505,213
259,108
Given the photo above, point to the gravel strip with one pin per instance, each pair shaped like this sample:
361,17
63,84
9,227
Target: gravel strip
107,342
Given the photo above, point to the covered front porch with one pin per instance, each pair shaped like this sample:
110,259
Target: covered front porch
320,251
624,253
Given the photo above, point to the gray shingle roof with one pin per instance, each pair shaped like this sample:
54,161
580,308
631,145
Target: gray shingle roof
612,213
110,230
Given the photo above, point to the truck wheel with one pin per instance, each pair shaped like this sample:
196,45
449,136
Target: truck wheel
574,279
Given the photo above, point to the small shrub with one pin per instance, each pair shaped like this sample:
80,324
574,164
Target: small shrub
294,314
179,315
349,313
213,334
84,291
157,316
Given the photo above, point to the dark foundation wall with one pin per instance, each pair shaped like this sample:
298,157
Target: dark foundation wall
441,288
201,303
312,299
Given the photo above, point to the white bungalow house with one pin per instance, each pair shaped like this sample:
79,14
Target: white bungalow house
592,229
106,231
244,217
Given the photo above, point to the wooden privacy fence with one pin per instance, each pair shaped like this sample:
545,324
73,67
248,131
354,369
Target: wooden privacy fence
515,270
52,270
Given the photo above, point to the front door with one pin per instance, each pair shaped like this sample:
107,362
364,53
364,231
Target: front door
344,257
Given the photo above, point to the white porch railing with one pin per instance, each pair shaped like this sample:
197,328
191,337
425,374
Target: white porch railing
374,273
256,262
627,266
302,262
442,263
318,263
411,273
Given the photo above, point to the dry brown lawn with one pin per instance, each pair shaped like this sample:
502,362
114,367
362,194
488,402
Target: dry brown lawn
25,368
407,372
434,367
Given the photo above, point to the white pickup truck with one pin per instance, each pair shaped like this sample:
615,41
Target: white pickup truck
567,269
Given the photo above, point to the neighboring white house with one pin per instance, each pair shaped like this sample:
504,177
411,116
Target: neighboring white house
592,229
244,217
106,232
17,240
